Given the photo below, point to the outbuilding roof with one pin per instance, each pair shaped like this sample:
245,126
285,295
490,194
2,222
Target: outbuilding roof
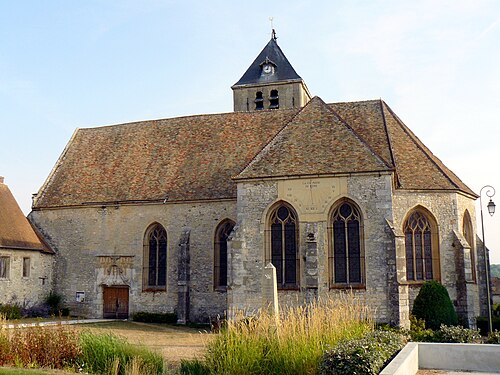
202,157
16,232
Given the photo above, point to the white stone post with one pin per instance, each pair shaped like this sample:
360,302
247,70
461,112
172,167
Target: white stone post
270,290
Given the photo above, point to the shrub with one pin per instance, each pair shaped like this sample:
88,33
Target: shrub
10,311
41,310
54,347
365,356
110,354
493,338
147,317
293,343
419,333
482,324
434,306
458,334
496,309
53,300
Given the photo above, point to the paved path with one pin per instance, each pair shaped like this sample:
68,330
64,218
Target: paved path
57,322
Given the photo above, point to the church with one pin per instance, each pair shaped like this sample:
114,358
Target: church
183,214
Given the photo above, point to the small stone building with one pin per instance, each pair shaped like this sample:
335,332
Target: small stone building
26,261
182,214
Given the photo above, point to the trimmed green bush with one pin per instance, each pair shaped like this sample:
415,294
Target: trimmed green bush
365,356
434,306
147,317
458,334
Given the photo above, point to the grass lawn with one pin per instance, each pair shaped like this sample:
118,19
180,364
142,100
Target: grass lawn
173,342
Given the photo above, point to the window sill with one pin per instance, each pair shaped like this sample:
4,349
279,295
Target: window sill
290,287
220,289
417,283
348,286
154,290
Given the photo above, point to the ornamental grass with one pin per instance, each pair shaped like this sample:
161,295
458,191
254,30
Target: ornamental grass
292,343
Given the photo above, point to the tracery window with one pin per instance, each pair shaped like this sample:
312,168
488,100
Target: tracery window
468,232
422,257
220,253
155,258
283,229
346,254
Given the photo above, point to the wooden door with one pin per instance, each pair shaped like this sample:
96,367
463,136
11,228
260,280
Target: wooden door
115,302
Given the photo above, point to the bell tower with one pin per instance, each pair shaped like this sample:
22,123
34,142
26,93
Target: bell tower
270,83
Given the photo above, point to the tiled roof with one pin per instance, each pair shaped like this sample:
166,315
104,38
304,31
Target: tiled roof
283,69
185,158
417,168
16,231
194,158
316,141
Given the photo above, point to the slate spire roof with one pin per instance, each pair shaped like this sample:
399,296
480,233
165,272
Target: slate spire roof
16,232
273,54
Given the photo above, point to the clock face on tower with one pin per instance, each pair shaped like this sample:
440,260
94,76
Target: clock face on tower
267,68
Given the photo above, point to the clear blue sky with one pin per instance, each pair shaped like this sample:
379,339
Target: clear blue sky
68,64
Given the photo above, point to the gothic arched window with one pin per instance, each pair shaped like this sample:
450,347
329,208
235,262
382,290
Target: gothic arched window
346,254
421,248
284,254
468,231
155,258
222,233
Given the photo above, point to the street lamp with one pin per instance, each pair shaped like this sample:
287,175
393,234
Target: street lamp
490,192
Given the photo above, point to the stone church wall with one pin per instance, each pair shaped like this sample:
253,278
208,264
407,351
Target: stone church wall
448,210
30,290
90,240
313,200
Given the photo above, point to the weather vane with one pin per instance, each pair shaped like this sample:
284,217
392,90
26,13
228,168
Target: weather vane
273,32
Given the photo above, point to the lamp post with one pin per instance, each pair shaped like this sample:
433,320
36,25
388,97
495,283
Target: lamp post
490,192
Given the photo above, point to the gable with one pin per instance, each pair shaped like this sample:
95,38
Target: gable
316,141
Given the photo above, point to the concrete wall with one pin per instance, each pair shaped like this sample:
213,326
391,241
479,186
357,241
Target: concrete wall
26,291
90,240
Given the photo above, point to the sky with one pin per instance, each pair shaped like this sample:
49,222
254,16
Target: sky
78,64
